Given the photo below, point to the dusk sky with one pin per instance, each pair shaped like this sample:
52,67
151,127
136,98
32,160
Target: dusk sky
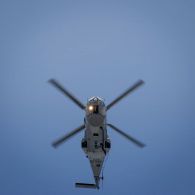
97,48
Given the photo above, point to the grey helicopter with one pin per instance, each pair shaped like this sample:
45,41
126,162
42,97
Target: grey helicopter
95,143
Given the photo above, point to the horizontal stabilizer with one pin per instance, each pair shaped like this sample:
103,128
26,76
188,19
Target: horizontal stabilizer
85,185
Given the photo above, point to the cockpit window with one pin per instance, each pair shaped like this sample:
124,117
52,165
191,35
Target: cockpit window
96,99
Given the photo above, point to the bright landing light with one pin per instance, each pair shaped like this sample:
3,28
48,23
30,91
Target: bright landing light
90,108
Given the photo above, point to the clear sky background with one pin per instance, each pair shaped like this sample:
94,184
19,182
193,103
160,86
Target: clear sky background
97,48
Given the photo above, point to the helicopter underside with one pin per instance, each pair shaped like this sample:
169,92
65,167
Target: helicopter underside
96,145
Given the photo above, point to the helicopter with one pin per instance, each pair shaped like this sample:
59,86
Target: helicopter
95,143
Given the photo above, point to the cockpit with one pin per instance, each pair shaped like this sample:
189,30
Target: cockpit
95,111
96,100
95,104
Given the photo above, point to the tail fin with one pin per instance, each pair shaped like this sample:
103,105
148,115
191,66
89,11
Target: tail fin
86,185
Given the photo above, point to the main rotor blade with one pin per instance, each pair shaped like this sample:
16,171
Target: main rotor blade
66,92
138,143
67,136
129,90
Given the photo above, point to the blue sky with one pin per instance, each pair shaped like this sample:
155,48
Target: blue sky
97,48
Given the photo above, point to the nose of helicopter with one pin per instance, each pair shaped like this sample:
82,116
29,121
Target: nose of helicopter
95,105
95,111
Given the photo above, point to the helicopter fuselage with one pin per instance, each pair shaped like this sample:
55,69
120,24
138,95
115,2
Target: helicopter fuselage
95,143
